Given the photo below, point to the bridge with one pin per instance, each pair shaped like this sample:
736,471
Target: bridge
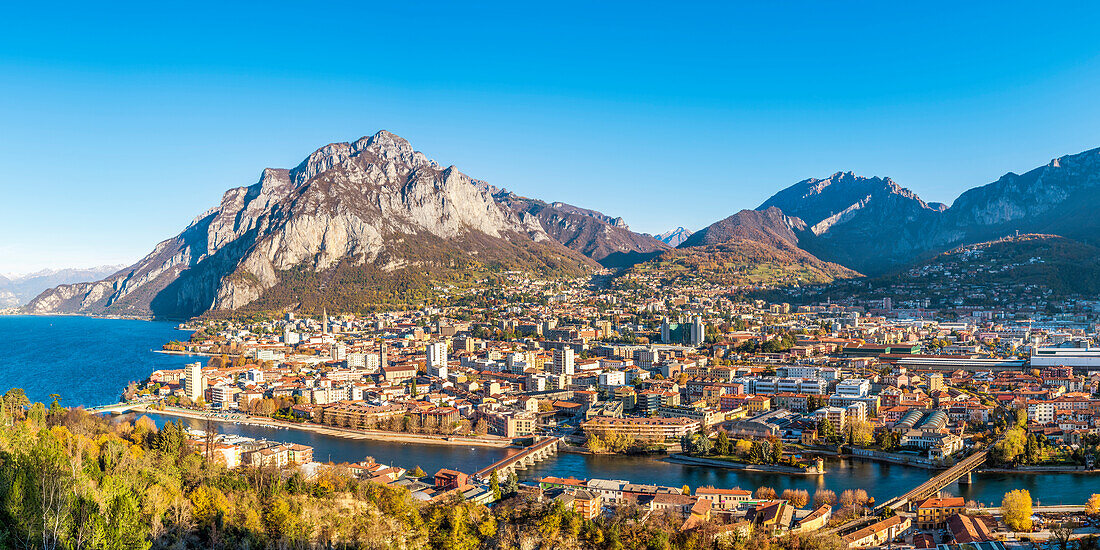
116,408
541,450
936,484
925,490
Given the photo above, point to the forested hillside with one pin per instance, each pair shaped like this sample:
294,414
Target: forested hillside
69,479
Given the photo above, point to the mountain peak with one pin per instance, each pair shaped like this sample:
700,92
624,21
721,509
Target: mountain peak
674,237
818,201
383,146
769,225
385,142
370,210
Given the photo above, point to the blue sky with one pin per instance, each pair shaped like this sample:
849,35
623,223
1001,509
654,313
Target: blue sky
118,126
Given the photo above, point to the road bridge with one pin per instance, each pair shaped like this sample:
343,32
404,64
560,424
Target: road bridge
925,490
938,483
541,450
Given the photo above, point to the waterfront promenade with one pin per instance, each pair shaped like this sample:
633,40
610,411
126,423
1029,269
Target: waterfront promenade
346,433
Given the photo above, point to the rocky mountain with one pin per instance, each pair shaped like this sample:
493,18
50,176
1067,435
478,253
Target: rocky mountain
7,297
749,248
1059,198
674,237
355,225
874,225
17,290
867,224
601,237
770,226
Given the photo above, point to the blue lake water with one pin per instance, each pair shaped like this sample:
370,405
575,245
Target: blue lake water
90,361
84,360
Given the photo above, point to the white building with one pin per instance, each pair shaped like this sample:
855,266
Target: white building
854,387
269,355
1041,411
836,416
224,396
437,359
800,371
765,385
194,385
290,337
563,361
1080,358
697,332
612,379
338,351
815,386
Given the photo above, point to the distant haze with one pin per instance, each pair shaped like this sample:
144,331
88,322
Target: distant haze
18,289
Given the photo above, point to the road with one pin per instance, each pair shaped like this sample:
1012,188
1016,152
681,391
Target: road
1064,509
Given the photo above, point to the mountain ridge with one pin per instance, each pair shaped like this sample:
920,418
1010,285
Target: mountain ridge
874,225
17,290
383,219
360,200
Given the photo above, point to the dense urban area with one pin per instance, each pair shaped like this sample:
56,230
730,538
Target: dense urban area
627,366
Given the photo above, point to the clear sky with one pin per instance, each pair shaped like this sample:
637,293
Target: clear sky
118,125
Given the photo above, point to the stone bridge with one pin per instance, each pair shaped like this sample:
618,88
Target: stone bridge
541,450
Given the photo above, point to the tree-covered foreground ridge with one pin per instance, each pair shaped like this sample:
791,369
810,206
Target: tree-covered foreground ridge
73,480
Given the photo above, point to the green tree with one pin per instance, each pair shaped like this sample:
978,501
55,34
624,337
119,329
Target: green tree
494,485
722,443
511,485
15,400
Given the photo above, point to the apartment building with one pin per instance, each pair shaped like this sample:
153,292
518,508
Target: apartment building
650,429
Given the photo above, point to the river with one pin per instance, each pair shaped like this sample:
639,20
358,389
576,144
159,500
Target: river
89,361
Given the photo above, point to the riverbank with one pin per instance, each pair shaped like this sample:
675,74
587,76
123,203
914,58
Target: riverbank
1040,470
891,458
761,468
345,433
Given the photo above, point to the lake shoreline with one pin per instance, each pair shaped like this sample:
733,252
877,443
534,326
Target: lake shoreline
89,316
1038,470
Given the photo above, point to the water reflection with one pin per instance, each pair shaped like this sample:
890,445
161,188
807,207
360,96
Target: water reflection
881,480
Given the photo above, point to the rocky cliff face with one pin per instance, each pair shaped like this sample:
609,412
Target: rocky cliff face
874,225
358,204
1061,198
674,237
866,224
601,237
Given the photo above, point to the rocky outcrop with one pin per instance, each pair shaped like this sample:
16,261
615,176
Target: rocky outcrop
601,237
357,203
674,237
867,224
